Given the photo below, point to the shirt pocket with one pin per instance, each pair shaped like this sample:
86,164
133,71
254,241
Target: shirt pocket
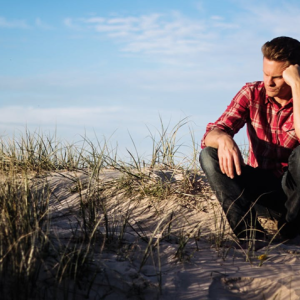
288,129
288,126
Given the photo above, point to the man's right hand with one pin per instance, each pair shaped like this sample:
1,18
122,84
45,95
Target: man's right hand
230,157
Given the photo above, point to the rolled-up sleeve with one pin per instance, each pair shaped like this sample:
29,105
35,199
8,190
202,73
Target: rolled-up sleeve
234,117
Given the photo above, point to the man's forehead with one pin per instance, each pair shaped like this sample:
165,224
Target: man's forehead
283,62
274,66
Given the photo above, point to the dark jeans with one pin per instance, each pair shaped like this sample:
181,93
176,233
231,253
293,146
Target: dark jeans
256,192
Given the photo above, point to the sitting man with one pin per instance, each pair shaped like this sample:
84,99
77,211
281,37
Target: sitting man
269,184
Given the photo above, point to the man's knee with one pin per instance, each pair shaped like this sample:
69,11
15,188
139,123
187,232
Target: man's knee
209,160
295,156
294,165
291,186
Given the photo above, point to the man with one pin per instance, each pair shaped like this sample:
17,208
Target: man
269,184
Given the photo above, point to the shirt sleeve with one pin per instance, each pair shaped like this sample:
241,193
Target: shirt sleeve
234,117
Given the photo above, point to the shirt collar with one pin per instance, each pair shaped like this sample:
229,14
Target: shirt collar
271,100
267,99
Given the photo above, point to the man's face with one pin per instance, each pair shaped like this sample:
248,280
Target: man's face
274,83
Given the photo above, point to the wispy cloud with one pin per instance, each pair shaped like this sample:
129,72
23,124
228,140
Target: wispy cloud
173,34
71,24
42,25
274,20
154,33
72,121
20,24
68,115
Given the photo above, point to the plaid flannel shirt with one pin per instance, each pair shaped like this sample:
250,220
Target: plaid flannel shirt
270,128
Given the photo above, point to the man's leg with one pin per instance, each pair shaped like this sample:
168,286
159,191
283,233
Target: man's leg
238,195
291,187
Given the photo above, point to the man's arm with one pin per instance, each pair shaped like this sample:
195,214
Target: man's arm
291,76
230,158
219,134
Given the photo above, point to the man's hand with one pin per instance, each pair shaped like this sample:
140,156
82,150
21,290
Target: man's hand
230,157
291,75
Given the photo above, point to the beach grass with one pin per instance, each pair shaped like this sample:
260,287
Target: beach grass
43,259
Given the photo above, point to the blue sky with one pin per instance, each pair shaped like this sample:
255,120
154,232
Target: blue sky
112,67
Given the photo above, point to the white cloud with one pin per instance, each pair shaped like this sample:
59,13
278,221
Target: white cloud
75,116
95,20
200,6
272,19
219,18
69,23
71,122
21,24
72,116
41,24
155,33
174,37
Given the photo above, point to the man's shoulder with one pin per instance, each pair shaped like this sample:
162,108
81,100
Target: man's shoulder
255,90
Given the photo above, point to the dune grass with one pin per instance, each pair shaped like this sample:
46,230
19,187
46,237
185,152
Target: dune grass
41,264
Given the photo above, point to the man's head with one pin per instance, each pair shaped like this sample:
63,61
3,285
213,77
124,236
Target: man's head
283,49
278,54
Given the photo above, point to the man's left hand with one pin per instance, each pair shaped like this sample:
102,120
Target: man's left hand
291,75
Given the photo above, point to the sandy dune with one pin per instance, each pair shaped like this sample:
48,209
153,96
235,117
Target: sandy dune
200,271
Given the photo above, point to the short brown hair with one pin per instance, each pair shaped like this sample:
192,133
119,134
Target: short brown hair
282,48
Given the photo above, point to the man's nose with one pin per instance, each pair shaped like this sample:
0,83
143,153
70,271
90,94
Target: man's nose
270,81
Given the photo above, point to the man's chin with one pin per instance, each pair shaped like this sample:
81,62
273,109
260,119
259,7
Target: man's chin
272,94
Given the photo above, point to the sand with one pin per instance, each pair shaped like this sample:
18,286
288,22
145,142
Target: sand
202,270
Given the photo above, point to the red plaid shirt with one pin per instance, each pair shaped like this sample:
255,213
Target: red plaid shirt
270,128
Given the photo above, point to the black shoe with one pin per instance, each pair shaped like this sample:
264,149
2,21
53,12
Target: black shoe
288,231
